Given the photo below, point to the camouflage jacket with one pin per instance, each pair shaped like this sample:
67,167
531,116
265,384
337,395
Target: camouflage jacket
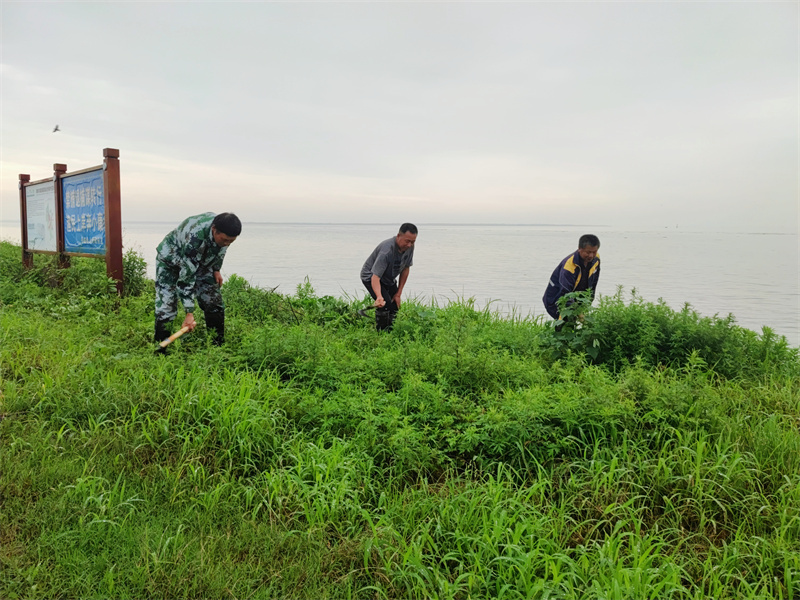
189,250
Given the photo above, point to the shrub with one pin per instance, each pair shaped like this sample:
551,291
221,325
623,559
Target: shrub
134,273
616,334
10,262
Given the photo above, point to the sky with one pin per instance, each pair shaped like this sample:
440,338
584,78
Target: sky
643,115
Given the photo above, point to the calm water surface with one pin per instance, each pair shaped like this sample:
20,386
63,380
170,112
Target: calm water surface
753,276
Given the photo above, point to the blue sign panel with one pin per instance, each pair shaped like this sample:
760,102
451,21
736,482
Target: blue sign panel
84,213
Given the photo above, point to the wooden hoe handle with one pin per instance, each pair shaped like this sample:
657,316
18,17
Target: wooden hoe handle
173,337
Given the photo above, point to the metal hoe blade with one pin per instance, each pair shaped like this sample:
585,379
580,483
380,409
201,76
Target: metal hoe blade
362,312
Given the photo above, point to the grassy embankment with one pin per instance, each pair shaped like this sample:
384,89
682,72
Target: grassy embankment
650,454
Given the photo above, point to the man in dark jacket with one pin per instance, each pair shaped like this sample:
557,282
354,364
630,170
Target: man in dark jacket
578,272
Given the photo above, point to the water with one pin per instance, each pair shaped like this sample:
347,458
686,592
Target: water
753,276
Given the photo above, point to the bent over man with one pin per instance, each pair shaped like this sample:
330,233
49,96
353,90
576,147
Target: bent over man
188,262
578,272
390,259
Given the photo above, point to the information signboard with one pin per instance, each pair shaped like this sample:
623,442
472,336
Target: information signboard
75,214
84,213
41,213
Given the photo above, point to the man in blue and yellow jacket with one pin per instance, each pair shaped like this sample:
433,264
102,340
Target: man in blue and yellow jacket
578,272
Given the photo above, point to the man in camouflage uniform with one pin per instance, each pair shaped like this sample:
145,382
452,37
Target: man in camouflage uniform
187,267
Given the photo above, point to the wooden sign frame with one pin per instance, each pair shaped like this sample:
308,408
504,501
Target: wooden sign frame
111,216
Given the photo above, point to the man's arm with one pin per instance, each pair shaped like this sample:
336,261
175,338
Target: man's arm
187,275
190,254
185,287
217,264
402,284
376,287
593,281
567,281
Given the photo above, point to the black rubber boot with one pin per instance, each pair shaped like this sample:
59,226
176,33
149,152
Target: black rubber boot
162,333
383,319
216,321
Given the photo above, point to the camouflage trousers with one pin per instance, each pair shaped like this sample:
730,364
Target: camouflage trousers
206,291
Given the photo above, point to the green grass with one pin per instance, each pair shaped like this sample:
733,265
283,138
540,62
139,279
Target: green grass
647,454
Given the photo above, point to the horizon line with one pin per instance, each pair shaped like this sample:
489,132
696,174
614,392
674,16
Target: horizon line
19,222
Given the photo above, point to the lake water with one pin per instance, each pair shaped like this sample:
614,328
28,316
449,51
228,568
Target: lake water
753,276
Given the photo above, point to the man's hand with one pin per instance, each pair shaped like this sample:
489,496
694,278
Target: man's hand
189,322
380,302
218,278
402,284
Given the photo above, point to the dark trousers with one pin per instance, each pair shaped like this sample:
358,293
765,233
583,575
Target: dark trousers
385,316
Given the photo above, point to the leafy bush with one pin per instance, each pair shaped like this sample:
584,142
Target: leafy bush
87,277
323,310
11,268
255,305
84,277
13,284
134,273
616,334
574,332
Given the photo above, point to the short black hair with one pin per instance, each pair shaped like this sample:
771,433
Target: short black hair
227,223
588,240
408,228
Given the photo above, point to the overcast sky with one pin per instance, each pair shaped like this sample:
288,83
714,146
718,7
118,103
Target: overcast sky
643,115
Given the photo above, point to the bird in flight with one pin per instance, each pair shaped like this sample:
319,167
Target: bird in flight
56,129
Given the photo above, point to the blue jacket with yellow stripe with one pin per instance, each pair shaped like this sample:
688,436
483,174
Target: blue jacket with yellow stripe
566,278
